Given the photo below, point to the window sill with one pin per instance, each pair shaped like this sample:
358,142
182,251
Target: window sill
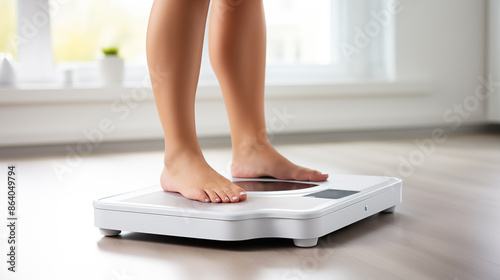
90,93
51,114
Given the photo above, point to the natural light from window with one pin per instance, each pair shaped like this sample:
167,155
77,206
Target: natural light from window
80,29
8,27
299,32
304,39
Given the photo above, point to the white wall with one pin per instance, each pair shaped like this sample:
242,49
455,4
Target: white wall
440,53
494,57
444,42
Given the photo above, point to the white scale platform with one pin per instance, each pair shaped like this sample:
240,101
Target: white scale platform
302,211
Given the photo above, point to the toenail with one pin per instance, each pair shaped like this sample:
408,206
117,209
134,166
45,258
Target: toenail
235,197
243,193
207,200
217,199
227,198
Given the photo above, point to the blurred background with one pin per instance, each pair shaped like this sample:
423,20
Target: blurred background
332,66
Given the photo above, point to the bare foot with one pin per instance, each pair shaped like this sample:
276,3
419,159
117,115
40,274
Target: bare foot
190,175
264,160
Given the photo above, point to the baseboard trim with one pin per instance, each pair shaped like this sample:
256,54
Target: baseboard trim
225,141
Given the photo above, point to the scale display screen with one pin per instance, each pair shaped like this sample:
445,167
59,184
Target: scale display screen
332,194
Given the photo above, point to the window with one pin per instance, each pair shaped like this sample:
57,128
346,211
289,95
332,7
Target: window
302,36
80,29
301,32
308,41
8,27
302,40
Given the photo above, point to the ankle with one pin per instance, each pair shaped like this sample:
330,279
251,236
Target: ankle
251,147
174,157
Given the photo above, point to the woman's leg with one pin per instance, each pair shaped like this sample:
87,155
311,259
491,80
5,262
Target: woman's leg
237,45
174,46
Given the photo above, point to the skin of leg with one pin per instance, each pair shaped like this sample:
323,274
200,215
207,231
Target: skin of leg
237,47
174,46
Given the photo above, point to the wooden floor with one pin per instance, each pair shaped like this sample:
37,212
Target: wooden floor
448,226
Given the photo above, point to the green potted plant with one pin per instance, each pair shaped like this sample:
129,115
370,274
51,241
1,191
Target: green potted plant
111,67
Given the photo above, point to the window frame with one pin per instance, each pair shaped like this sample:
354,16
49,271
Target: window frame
374,62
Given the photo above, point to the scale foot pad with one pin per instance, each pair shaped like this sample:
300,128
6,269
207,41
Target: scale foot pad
309,242
109,232
390,210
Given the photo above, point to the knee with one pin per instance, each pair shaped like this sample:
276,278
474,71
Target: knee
223,6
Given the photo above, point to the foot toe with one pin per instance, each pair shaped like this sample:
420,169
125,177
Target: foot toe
318,176
225,198
302,174
305,174
233,197
241,193
214,197
198,194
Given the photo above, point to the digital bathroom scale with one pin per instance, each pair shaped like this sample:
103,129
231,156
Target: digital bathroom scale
298,210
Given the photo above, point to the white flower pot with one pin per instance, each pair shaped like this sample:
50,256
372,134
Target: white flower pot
7,70
111,70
